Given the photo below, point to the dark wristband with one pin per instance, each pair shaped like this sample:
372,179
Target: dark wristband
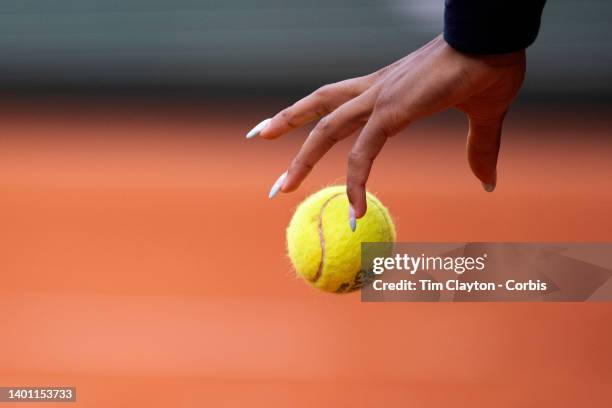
491,26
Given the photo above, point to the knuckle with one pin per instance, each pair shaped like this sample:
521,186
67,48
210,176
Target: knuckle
325,129
389,122
299,163
352,88
384,101
286,114
324,125
356,160
325,91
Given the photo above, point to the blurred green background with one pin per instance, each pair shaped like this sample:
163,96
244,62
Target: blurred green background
268,46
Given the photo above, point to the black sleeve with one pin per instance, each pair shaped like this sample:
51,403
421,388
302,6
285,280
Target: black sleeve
491,26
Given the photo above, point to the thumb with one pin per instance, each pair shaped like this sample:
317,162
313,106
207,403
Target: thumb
483,143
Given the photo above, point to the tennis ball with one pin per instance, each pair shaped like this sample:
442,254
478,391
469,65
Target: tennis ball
323,249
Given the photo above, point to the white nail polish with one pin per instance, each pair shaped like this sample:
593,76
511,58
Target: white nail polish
257,129
277,186
488,187
352,219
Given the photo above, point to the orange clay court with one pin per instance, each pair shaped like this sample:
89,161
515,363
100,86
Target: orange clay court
141,261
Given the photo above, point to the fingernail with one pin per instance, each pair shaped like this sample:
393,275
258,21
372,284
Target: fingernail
257,129
277,186
488,187
352,219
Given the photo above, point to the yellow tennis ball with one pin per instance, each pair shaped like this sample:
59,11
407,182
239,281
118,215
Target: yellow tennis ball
323,249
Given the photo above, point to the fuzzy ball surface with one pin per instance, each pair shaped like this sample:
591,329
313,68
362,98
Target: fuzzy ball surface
323,249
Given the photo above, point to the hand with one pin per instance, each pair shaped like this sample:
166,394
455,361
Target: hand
379,105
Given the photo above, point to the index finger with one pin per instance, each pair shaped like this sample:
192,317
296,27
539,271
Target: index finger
314,106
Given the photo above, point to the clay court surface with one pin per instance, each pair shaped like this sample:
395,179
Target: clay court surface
142,262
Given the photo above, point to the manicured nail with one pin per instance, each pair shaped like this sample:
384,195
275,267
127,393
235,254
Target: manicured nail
488,187
352,219
277,185
257,129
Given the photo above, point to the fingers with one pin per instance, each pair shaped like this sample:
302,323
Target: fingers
483,144
338,125
361,158
314,106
